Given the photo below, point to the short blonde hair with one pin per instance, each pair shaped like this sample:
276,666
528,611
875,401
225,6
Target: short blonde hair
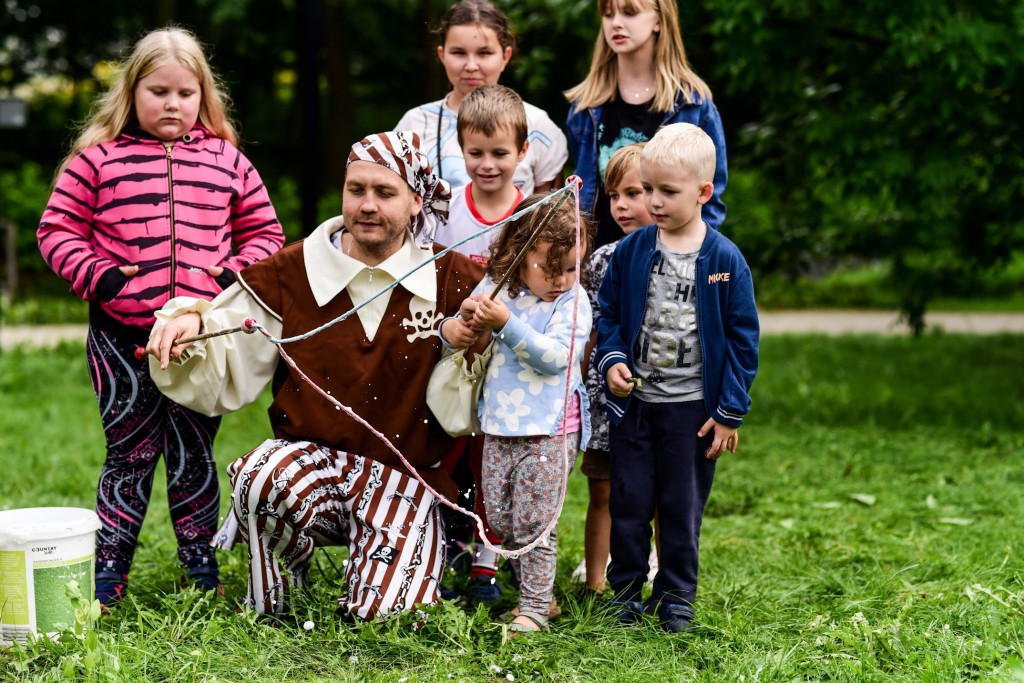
116,107
683,145
491,107
624,160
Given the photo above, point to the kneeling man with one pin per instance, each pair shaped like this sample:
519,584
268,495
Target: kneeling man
326,479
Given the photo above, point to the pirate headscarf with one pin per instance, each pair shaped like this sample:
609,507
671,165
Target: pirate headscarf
400,151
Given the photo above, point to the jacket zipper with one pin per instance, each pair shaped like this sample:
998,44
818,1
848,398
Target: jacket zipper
699,272
170,197
597,163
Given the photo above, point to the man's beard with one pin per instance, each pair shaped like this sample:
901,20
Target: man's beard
384,239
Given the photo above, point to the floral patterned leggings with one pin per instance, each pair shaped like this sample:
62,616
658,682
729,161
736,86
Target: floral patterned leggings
522,478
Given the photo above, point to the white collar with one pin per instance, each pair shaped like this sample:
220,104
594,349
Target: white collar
330,270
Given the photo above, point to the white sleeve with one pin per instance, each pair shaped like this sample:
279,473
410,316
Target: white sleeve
416,120
550,159
221,374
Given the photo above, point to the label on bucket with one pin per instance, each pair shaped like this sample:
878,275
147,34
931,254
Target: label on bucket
32,596
52,604
14,603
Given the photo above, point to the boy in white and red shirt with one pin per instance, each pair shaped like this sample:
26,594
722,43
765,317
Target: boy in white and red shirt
492,131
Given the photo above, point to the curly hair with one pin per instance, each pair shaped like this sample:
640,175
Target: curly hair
560,233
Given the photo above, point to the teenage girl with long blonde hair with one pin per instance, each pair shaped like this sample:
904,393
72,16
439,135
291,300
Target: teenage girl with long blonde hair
639,81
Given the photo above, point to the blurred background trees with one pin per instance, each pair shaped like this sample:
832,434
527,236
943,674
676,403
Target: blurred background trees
867,135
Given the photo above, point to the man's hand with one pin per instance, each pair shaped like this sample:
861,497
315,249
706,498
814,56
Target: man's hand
457,333
726,439
491,313
618,377
161,343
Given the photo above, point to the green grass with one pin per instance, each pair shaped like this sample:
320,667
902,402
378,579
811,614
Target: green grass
868,529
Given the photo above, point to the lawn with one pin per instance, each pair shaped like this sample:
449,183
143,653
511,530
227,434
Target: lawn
868,529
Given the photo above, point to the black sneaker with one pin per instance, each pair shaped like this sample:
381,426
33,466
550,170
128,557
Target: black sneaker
111,582
673,617
626,612
204,574
447,593
483,589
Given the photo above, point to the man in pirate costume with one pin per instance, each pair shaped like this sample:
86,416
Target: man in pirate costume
326,479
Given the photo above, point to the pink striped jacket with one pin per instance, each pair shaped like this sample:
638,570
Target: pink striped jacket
173,211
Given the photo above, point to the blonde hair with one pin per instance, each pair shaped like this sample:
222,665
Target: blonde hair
491,107
671,67
624,160
116,107
683,145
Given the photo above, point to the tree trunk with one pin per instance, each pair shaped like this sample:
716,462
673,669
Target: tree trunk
339,129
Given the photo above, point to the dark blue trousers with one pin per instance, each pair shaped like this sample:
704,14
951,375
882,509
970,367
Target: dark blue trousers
658,464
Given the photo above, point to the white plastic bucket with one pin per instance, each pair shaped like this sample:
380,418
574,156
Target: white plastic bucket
41,550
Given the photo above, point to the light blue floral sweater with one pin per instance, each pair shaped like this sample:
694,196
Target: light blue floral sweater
524,391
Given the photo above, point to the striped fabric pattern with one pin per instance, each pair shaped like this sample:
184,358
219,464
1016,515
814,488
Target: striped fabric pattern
290,497
399,150
172,212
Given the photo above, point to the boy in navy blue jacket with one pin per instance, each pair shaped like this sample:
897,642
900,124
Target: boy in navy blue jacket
677,343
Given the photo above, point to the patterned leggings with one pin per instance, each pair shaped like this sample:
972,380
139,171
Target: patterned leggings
522,478
139,424
290,498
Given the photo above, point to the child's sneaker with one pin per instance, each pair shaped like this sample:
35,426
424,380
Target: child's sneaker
652,566
204,574
673,617
111,582
579,575
483,589
626,612
447,594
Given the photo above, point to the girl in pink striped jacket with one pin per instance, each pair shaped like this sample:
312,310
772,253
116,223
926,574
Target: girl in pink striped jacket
154,200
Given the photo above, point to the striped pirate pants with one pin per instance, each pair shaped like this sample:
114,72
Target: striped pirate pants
290,497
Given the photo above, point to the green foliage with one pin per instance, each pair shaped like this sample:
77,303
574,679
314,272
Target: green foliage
857,285
865,531
288,205
889,135
889,132
86,657
24,192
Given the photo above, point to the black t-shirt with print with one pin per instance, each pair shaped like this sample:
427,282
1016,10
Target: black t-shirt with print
621,124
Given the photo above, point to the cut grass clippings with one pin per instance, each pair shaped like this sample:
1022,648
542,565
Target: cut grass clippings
868,529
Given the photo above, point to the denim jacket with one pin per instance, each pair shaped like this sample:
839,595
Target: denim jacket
727,324
583,124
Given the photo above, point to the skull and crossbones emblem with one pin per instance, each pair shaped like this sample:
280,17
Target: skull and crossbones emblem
425,317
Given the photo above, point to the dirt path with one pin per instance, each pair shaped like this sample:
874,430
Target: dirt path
832,322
